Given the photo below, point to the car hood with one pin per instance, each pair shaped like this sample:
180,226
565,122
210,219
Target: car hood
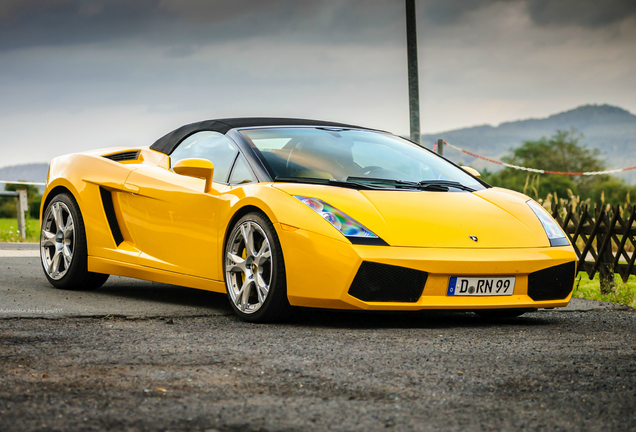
498,218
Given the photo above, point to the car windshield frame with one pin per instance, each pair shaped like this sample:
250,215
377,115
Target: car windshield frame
325,144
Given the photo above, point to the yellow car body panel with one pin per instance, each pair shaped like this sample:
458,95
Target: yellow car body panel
175,233
431,219
339,262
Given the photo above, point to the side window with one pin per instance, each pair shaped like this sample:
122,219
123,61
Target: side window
241,173
213,146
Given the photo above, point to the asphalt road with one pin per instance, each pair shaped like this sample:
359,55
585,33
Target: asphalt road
143,356
25,292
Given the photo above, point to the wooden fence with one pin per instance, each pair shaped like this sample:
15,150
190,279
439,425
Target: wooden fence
603,241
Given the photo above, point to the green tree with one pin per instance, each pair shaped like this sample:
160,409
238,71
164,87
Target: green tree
562,152
612,190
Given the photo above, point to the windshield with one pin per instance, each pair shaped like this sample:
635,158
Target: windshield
355,156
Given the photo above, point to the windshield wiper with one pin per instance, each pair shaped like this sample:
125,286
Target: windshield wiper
397,184
431,185
391,182
329,182
446,183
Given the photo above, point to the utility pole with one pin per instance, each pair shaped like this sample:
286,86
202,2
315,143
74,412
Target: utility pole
414,91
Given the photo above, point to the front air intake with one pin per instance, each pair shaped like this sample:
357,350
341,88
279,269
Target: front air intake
377,282
553,283
124,156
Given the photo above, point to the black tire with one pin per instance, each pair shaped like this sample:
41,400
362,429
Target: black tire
275,307
497,314
76,275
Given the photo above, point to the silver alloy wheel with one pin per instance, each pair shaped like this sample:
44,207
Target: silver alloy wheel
248,266
57,240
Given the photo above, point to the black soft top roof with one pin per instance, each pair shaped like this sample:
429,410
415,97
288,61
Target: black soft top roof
169,142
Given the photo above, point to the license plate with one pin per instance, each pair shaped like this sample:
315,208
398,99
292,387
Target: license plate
481,286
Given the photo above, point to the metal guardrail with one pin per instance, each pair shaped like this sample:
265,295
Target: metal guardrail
23,183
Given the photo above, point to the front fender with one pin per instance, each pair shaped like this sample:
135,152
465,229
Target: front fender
281,208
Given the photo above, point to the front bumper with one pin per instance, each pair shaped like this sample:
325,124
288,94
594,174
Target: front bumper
320,271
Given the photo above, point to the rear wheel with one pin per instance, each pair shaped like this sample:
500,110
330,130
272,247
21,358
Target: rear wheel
63,248
255,270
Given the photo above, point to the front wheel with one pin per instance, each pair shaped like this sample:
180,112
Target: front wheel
63,249
255,270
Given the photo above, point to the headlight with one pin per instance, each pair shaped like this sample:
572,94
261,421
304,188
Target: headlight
552,229
343,223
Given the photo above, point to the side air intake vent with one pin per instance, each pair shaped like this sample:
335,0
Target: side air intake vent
553,283
376,282
109,209
124,156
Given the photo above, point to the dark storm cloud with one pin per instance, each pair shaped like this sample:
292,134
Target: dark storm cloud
584,13
25,23
443,12
186,24
54,22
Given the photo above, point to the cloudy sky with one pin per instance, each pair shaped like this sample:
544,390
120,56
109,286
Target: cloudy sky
82,74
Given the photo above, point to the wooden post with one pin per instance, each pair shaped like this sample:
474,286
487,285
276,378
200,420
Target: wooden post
440,147
22,208
414,91
605,256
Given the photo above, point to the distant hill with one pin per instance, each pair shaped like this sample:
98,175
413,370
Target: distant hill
610,129
29,172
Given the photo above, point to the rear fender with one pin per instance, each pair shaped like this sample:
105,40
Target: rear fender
83,175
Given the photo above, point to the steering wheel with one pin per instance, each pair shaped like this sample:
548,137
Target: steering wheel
368,169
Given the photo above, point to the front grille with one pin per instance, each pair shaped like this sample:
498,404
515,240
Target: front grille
553,283
377,282
124,156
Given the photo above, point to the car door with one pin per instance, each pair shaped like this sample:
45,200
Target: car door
172,220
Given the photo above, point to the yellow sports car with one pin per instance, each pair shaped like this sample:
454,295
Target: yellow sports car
286,212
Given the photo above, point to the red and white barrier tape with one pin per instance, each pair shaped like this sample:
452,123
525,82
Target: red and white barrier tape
540,171
22,183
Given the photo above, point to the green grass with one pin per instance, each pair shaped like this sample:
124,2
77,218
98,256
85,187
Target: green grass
623,292
9,230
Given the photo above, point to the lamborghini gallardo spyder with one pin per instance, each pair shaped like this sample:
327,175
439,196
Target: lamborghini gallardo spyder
280,213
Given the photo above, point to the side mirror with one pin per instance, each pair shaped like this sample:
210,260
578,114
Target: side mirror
199,168
471,170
